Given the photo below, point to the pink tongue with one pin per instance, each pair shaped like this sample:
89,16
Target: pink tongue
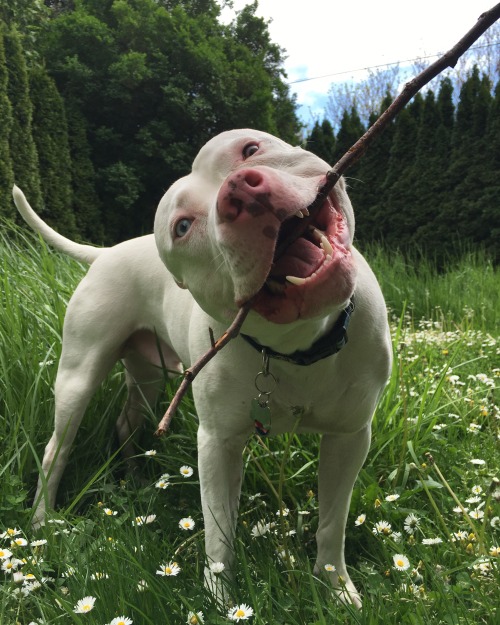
301,259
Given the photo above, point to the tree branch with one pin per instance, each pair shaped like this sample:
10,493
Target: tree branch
449,59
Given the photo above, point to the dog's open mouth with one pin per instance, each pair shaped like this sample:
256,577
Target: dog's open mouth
306,274
302,262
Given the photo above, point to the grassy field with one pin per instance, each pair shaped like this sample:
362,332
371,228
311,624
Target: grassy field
429,490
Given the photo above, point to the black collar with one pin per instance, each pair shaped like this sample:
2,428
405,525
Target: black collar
326,346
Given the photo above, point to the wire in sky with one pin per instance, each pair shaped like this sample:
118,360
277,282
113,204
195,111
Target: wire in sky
361,69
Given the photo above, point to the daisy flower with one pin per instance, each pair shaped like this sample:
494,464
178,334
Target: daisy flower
401,562
121,620
330,568
186,523
150,452
84,605
142,585
170,569
240,612
109,512
360,520
283,512
476,514
476,490
411,523
19,542
5,553
392,497
495,521
260,529
477,461
143,520
216,567
38,543
162,483
195,618
10,532
186,471
382,527
431,541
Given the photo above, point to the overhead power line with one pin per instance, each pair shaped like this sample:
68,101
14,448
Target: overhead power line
361,69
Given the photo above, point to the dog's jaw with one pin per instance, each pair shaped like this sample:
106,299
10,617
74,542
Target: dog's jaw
316,273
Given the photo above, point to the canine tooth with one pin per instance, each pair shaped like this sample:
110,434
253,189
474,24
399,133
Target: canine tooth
305,212
326,246
299,214
296,280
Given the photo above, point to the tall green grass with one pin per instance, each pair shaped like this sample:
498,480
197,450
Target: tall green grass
441,400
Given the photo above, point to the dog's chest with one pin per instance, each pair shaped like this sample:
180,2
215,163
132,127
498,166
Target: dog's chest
299,401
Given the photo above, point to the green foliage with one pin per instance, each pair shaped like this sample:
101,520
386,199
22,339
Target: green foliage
6,174
51,137
22,146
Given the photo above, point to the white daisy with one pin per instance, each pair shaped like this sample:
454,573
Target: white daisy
382,527
216,567
186,471
240,612
150,452
121,620
411,523
170,569
186,523
10,532
401,562
330,568
5,553
195,618
432,541
392,497
109,512
360,520
84,605
38,543
260,529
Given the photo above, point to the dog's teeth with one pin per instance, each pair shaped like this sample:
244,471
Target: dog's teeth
305,212
296,280
299,214
326,246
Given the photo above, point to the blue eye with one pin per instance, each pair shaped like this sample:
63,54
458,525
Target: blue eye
182,227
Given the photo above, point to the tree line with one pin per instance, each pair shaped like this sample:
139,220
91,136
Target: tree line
432,180
104,103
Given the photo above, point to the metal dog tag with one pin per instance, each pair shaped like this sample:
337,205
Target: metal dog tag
260,413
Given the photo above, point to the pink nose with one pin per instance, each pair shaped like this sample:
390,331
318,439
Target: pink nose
245,193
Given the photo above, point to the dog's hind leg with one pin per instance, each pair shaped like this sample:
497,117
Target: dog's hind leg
78,377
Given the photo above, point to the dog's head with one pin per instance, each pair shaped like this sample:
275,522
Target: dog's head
217,230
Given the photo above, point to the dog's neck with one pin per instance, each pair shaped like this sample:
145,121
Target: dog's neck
304,341
326,346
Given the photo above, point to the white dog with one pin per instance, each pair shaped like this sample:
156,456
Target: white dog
216,232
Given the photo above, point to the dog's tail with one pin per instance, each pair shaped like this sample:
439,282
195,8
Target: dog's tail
83,253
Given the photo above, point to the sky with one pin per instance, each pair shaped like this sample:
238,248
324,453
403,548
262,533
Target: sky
333,41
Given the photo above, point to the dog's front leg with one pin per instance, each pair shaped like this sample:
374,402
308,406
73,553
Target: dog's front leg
341,458
220,466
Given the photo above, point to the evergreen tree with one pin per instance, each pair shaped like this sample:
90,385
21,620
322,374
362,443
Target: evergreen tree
22,146
351,129
51,138
394,215
367,197
86,203
321,141
6,174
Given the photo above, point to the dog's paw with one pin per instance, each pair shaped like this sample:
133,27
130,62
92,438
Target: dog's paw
341,584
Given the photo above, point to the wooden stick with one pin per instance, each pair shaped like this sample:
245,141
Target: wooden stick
449,59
